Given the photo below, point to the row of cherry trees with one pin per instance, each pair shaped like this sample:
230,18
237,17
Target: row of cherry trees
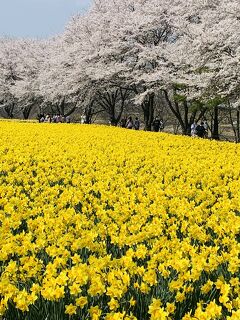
126,54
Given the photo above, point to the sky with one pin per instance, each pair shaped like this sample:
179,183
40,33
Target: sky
37,18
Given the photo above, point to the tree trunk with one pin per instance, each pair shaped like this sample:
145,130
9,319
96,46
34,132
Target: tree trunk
70,111
26,111
9,110
187,125
89,113
238,125
174,107
109,102
148,111
62,107
215,132
234,128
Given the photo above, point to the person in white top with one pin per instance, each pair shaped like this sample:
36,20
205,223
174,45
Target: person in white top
193,129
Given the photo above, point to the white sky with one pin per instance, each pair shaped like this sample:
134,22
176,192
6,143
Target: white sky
37,18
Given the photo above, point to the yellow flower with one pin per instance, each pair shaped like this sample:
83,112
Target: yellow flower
132,302
81,302
74,289
235,315
207,287
22,300
71,309
156,311
170,308
213,311
113,304
180,296
95,313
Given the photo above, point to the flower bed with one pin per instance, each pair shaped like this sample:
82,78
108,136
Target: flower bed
106,223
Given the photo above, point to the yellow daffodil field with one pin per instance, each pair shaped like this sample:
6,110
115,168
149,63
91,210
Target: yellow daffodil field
107,223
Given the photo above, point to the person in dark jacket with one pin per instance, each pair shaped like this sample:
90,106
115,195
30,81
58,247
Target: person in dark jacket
200,130
156,124
136,124
123,122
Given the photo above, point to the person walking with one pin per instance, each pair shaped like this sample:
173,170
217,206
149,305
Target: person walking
193,129
161,125
205,124
200,130
156,124
136,124
123,122
129,124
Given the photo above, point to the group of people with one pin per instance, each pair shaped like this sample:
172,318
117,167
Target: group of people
129,123
199,130
56,118
157,124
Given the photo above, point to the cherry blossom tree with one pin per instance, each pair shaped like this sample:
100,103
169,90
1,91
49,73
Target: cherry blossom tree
131,51
20,62
152,46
